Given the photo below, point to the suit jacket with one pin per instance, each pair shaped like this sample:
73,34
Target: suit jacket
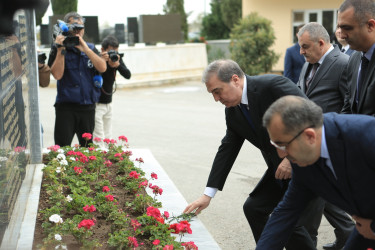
262,91
366,99
328,87
293,62
352,153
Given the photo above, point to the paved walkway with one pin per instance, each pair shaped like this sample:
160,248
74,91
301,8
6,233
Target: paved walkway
182,126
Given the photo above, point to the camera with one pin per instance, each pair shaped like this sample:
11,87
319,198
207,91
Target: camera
42,58
113,55
67,30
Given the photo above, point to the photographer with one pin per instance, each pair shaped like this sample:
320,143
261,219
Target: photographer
74,63
103,114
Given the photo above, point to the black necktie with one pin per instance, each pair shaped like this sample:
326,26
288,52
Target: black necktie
247,115
362,74
343,50
313,71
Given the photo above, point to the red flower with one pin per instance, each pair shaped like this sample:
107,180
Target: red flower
160,219
90,209
87,136
156,242
134,174
132,241
78,170
109,197
106,189
108,163
166,214
153,211
143,184
91,149
139,159
189,245
92,158
97,139
118,155
135,224
154,176
168,247
123,138
181,228
52,148
86,223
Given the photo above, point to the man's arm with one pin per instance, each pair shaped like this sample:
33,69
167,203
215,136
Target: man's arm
288,65
283,219
58,63
346,109
98,62
124,71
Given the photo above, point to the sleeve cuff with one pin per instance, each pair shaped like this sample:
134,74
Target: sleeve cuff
209,191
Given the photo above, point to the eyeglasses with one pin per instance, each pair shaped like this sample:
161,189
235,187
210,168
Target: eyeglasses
283,148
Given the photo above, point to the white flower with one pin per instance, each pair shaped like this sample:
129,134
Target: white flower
60,157
72,158
60,151
55,218
58,237
68,198
64,162
61,247
58,169
2,158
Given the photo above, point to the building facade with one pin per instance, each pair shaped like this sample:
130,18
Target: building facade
288,14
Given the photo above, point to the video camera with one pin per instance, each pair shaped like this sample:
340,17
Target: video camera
113,55
67,30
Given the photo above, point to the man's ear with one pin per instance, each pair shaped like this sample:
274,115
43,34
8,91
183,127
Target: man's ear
311,135
236,80
371,25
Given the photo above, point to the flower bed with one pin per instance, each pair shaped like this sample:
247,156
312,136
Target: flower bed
96,199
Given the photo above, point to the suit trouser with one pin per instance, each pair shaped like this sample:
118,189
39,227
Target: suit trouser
260,205
103,121
340,221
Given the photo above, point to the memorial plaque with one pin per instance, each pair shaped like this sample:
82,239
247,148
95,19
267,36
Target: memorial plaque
18,95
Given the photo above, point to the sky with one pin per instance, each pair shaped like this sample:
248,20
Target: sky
117,11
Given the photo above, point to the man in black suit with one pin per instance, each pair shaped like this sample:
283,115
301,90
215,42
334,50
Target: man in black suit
357,26
333,157
345,48
327,90
246,99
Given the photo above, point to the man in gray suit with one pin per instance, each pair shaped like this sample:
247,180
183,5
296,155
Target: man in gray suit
325,88
345,46
356,20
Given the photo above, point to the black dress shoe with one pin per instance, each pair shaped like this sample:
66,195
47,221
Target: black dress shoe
334,246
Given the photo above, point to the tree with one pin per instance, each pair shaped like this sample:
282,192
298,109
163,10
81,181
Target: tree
250,44
231,11
177,7
61,7
213,26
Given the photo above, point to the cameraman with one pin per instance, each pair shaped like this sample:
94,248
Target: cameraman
74,68
103,114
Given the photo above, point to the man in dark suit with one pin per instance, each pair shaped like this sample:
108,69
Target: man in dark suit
246,99
357,26
326,90
345,48
293,61
333,157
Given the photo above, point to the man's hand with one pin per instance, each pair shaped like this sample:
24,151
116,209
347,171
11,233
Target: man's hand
284,170
199,204
363,227
82,45
59,41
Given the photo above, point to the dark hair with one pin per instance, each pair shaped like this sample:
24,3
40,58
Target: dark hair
224,69
296,113
110,41
73,15
316,32
363,9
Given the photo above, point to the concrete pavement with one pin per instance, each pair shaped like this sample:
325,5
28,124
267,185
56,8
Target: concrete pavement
183,126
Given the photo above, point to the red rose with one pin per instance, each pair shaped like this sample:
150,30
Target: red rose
86,223
87,136
106,189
